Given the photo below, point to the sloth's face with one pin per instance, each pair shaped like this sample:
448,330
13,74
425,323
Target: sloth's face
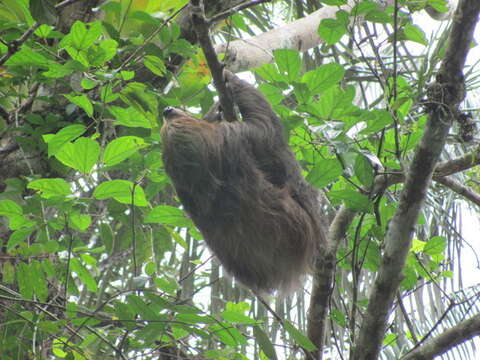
171,113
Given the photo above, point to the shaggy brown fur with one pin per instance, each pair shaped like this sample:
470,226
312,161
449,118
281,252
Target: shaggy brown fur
242,187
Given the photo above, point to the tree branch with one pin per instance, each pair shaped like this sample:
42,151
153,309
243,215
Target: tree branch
234,10
323,280
201,26
445,168
300,35
449,338
460,189
446,94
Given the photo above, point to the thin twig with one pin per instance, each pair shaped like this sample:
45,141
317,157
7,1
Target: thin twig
234,10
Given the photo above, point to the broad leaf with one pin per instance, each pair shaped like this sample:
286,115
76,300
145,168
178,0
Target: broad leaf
121,190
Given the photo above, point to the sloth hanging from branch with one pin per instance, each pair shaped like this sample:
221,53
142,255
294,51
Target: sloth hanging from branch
243,188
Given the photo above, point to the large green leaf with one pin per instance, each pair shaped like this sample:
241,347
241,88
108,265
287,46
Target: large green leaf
62,137
48,188
122,148
129,117
264,343
324,172
121,190
288,62
83,274
82,101
80,155
10,208
323,77
299,338
168,215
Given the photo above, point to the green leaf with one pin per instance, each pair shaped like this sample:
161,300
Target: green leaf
324,172
48,188
129,117
390,339
83,274
43,11
106,94
331,30
40,285
82,38
141,307
15,12
299,338
364,170
25,280
121,190
288,62
372,255
81,155
82,101
106,234
80,222
62,137
127,75
334,102
122,148
439,5
18,237
155,65
417,246
228,335
363,7
104,52
353,199
264,342
10,208
410,278
414,33
376,120
339,317
194,319
236,317
27,56
88,84
136,94
167,285
8,272
43,31
379,16
56,71
324,77
269,72
167,215
435,246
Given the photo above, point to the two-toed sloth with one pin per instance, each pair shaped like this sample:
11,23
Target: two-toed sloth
242,186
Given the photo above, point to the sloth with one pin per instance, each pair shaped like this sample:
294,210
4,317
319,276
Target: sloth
243,188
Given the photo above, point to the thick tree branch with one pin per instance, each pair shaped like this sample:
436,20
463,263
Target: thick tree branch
447,93
440,344
463,163
299,35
